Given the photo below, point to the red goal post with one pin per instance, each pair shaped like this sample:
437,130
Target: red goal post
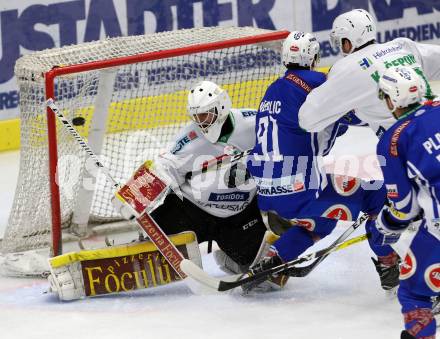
125,91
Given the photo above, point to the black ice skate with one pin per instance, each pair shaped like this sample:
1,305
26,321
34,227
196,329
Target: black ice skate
266,284
388,274
406,335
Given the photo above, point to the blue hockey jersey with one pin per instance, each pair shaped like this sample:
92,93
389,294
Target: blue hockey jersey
411,149
286,161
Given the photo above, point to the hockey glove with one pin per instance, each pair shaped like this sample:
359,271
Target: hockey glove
385,231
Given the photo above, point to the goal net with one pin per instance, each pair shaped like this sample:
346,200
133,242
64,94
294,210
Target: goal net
127,97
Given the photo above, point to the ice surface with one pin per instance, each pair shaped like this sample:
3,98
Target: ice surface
341,299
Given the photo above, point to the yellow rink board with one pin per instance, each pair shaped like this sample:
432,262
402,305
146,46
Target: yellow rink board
138,113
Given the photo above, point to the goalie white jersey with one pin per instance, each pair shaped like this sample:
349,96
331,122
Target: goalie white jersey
223,192
352,84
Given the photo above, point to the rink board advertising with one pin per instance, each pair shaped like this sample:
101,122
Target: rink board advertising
31,25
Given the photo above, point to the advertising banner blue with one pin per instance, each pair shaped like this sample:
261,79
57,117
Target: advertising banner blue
32,25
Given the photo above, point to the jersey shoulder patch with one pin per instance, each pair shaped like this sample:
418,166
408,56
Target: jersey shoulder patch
184,140
293,78
397,133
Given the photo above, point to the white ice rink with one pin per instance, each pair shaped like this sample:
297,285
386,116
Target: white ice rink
341,299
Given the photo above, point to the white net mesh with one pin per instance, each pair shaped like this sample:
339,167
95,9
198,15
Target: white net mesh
146,107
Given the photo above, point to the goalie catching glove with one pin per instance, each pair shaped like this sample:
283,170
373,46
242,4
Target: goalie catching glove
117,269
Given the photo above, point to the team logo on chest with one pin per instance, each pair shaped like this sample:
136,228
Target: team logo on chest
338,212
308,224
392,191
408,266
432,277
345,185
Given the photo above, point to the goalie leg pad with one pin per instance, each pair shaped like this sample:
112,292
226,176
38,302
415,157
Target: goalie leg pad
227,264
117,269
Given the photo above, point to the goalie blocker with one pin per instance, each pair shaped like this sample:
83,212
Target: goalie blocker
117,269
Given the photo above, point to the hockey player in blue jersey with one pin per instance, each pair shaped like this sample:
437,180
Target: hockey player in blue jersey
286,163
411,148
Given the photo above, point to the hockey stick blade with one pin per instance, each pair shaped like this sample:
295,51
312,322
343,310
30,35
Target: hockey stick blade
195,272
303,271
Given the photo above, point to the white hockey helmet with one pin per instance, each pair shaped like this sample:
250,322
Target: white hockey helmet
209,106
358,26
403,86
300,48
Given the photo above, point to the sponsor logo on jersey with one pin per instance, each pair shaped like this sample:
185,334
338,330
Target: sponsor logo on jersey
392,191
338,212
225,207
402,61
183,141
281,189
345,185
365,63
247,114
233,196
432,277
280,186
308,224
408,266
298,81
385,51
395,138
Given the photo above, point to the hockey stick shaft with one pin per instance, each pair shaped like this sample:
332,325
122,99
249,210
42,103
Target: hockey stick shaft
284,268
305,270
81,142
198,274
154,232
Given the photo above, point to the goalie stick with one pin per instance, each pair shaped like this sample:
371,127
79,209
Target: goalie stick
154,232
201,276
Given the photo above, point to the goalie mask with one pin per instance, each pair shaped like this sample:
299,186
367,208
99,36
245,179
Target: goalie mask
300,48
358,26
402,85
209,106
